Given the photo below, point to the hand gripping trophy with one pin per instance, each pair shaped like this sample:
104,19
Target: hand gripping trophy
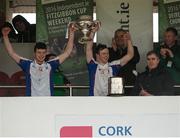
85,24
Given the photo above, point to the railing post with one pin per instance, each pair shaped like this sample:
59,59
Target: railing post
70,90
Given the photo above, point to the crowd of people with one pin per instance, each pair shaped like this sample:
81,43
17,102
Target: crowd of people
159,78
161,74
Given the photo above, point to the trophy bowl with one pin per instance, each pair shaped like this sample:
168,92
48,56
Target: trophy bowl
85,24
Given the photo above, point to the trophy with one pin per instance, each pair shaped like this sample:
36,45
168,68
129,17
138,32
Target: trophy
115,86
85,24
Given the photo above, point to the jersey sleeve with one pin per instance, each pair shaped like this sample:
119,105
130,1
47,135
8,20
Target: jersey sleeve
24,64
115,62
54,64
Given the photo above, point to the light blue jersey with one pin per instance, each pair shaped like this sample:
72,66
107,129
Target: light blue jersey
39,81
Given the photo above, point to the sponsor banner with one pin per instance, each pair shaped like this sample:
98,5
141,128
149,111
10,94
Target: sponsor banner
169,1
123,125
134,16
53,18
59,14
169,15
50,1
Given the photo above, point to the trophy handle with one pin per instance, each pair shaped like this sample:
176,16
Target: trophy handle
95,24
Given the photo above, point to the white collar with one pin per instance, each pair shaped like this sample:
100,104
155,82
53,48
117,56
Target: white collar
103,66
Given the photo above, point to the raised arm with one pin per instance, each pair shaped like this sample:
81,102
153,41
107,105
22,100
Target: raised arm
8,45
130,51
89,46
69,47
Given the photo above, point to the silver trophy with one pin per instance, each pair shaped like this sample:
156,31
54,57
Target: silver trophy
115,86
85,24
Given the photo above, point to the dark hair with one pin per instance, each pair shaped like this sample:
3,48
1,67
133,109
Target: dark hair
152,52
100,47
173,30
49,55
119,30
19,18
40,45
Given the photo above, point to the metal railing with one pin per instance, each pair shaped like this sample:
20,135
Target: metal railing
70,87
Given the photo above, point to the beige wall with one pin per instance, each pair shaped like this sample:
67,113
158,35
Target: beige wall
136,17
7,64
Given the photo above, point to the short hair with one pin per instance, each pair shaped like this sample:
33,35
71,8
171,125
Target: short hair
100,47
119,30
40,45
152,52
173,30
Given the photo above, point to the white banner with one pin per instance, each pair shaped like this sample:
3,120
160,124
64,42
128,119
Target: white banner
115,126
98,116
133,15
0,118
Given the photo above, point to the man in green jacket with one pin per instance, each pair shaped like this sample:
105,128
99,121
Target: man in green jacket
169,53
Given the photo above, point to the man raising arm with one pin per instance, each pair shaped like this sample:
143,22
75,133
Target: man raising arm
100,70
38,72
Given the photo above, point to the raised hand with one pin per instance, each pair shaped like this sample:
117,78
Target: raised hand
144,93
5,31
126,38
163,52
113,44
72,27
166,52
96,26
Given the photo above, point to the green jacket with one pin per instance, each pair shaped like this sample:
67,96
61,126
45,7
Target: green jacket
174,69
58,80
